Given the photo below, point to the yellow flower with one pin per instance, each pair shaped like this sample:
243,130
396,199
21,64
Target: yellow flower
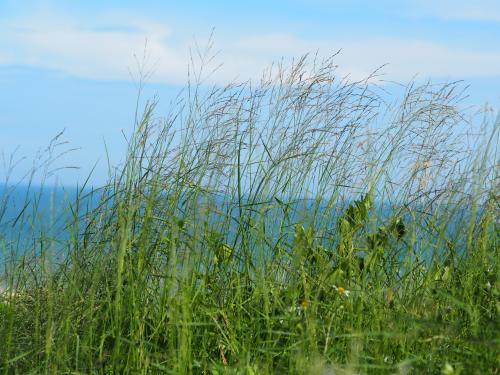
304,304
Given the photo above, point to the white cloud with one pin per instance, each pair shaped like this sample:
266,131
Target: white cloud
360,57
96,51
407,57
104,49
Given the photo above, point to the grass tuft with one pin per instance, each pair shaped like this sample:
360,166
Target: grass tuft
302,224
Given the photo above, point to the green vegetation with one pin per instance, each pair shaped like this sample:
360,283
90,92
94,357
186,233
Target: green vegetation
307,225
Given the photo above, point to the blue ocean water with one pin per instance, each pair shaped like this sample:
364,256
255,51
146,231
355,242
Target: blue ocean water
45,213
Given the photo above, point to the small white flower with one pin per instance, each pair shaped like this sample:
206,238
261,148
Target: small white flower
342,291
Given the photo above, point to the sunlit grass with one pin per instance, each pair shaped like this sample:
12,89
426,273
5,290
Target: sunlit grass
298,225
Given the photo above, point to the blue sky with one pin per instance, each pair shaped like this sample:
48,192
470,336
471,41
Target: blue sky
66,64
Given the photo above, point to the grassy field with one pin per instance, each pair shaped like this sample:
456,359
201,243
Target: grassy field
303,224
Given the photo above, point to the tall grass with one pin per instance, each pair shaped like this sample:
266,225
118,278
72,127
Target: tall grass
307,223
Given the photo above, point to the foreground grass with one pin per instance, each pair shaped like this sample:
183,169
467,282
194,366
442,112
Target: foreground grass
200,257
